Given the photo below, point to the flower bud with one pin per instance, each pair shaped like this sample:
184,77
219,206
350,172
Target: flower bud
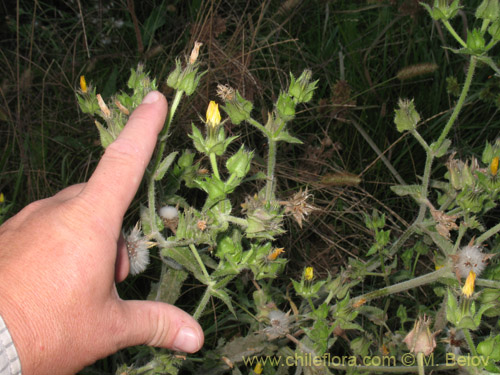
239,163
494,166
468,288
302,89
213,115
309,273
476,42
238,108
488,10
420,339
406,117
285,107
494,30
442,10
83,84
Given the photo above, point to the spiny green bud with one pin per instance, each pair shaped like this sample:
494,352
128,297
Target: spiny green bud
476,42
285,107
441,10
302,89
186,79
488,10
406,117
490,152
494,30
239,163
238,108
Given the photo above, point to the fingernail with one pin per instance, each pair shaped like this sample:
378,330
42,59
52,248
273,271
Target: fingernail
152,97
187,340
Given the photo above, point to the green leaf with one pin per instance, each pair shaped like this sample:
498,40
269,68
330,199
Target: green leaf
285,136
442,149
164,165
222,295
402,190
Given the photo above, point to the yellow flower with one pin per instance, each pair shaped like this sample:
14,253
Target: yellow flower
2,198
83,84
275,253
494,166
309,273
258,368
468,288
213,115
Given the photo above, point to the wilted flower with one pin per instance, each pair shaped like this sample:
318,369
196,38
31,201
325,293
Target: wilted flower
195,52
138,250
455,341
275,253
445,222
298,206
468,288
470,258
420,339
279,324
170,216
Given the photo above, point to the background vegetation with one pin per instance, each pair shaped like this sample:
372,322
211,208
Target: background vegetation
354,48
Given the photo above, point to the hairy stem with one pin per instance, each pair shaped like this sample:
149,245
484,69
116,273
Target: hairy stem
171,113
213,163
271,164
200,262
470,343
203,303
454,33
405,285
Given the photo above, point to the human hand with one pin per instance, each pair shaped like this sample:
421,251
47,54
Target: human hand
60,258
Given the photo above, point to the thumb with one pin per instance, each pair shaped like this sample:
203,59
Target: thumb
160,324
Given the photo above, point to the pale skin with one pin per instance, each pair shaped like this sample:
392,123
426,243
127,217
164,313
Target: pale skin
60,258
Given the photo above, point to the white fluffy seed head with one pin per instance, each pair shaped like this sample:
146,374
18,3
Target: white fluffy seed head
168,212
138,250
470,258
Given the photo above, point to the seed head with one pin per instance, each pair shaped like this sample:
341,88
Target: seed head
138,250
470,258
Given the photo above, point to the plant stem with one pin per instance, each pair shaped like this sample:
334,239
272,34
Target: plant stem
259,126
454,33
171,113
271,164
200,262
470,343
203,303
489,233
421,140
460,102
405,285
420,362
213,163
236,220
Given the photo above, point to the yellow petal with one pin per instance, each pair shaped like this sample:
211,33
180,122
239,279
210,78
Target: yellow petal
83,84
494,166
258,368
309,273
468,288
275,253
213,114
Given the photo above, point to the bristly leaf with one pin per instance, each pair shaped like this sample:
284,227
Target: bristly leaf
164,165
222,295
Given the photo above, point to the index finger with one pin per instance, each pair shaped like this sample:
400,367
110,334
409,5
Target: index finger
116,179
